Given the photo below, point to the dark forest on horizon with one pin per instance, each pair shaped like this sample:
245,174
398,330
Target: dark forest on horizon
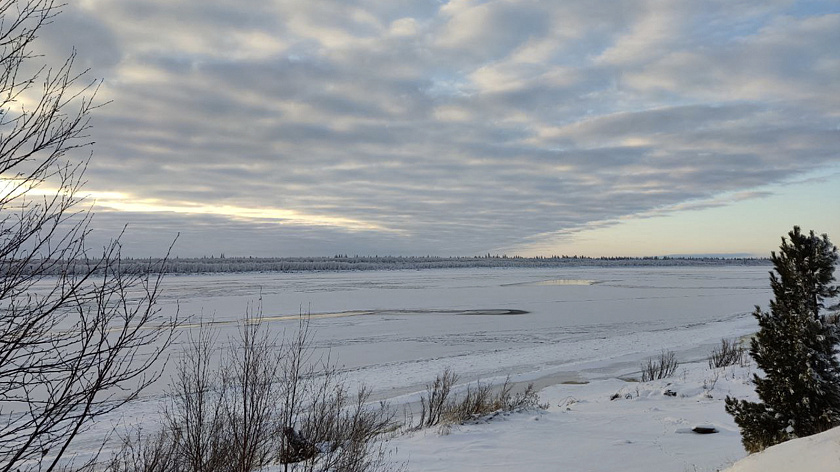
223,264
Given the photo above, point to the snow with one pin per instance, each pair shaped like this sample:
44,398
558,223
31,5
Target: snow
580,343
642,430
817,453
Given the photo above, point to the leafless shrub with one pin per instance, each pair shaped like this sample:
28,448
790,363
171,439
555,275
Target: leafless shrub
152,453
439,406
709,384
337,417
194,422
250,395
661,368
344,429
477,401
433,403
297,376
269,402
527,399
730,352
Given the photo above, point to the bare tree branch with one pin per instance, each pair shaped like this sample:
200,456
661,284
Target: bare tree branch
79,337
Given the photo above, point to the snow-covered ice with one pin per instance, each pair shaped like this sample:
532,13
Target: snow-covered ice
416,322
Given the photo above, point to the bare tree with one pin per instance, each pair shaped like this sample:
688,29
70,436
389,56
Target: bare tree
78,335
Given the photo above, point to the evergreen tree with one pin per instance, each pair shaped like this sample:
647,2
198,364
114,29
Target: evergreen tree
796,347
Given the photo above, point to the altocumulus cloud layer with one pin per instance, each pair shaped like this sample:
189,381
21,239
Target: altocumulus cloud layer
320,126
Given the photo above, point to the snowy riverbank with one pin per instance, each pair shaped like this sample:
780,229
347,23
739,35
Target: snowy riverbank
586,428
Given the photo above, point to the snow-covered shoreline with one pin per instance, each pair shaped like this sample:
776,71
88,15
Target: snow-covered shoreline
603,425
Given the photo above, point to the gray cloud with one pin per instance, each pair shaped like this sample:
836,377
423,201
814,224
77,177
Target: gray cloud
451,128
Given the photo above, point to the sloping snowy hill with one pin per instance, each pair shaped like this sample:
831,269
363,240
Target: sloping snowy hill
818,453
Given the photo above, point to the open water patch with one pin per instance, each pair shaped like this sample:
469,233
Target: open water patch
555,282
345,314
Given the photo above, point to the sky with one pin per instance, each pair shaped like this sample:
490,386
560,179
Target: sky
597,127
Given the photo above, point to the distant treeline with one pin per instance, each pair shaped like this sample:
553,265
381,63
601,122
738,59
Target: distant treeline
178,265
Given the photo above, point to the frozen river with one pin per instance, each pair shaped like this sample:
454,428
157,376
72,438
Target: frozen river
396,329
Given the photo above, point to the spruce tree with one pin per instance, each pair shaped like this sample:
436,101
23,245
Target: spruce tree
795,347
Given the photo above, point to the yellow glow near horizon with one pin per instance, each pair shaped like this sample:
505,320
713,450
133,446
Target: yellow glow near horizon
292,217
12,188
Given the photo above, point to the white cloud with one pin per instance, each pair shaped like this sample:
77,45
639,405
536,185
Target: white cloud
656,28
453,124
403,27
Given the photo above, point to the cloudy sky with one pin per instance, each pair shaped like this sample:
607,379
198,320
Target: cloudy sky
316,127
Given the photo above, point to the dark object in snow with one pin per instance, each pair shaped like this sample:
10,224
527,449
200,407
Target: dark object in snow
615,396
297,447
796,346
669,393
704,429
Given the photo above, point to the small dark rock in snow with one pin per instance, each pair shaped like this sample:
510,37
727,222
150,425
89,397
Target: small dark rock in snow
670,393
704,429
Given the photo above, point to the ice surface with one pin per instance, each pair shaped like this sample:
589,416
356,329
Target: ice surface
376,322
